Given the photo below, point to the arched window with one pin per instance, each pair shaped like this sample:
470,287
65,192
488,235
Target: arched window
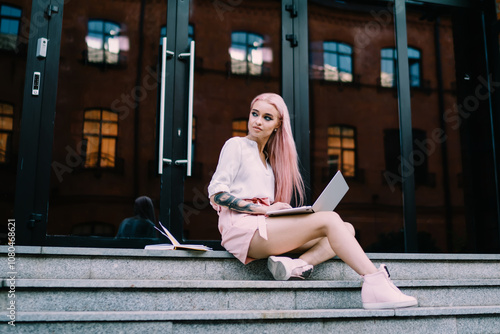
388,64
100,134
10,21
247,53
6,127
337,61
342,150
103,42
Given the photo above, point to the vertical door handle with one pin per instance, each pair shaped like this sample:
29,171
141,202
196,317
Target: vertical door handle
189,159
161,133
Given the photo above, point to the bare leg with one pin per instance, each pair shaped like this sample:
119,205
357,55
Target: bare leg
319,251
290,232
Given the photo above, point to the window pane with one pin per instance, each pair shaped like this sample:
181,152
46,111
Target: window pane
112,29
348,163
93,114
348,143
330,46
109,116
4,141
334,142
90,127
6,109
110,129
239,38
334,130
387,73
344,48
387,53
92,153
10,11
108,152
413,53
6,123
10,27
96,26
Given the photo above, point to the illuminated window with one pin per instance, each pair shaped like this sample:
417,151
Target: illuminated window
342,150
10,20
388,67
240,127
337,62
104,42
247,53
6,126
100,132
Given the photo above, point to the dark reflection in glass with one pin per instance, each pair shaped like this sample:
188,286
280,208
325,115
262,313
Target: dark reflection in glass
14,36
104,137
450,113
351,109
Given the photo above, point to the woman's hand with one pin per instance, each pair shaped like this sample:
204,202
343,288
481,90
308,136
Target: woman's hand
277,206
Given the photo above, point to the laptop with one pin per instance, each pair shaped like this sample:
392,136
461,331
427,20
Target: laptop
327,201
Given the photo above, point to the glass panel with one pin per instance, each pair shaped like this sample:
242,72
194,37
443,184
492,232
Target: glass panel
104,138
10,23
222,46
14,36
348,119
453,152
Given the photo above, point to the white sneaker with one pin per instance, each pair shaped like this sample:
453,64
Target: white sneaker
284,268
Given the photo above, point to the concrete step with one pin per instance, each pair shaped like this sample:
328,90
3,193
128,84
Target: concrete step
470,320
173,295
90,290
33,262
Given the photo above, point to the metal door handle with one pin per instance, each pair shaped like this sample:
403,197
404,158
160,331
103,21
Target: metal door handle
161,135
189,159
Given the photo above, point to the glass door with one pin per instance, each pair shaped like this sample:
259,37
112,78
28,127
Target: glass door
238,56
104,184
14,36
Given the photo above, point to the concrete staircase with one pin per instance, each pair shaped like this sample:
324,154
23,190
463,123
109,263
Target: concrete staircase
90,290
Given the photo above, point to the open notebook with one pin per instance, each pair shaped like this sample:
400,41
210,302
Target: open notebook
175,244
327,201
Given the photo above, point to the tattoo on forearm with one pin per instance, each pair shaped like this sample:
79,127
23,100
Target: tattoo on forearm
233,203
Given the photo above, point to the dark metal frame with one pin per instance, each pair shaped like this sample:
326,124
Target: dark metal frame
36,137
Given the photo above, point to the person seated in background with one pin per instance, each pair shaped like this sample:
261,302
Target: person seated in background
142,224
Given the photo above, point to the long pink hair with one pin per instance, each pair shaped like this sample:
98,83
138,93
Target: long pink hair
282,154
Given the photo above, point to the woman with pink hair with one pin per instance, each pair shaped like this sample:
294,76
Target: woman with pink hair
259,173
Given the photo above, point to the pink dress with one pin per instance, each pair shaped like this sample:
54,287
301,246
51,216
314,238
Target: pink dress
241,172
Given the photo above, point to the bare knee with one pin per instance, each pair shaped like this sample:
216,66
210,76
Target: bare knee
330,220
351,228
